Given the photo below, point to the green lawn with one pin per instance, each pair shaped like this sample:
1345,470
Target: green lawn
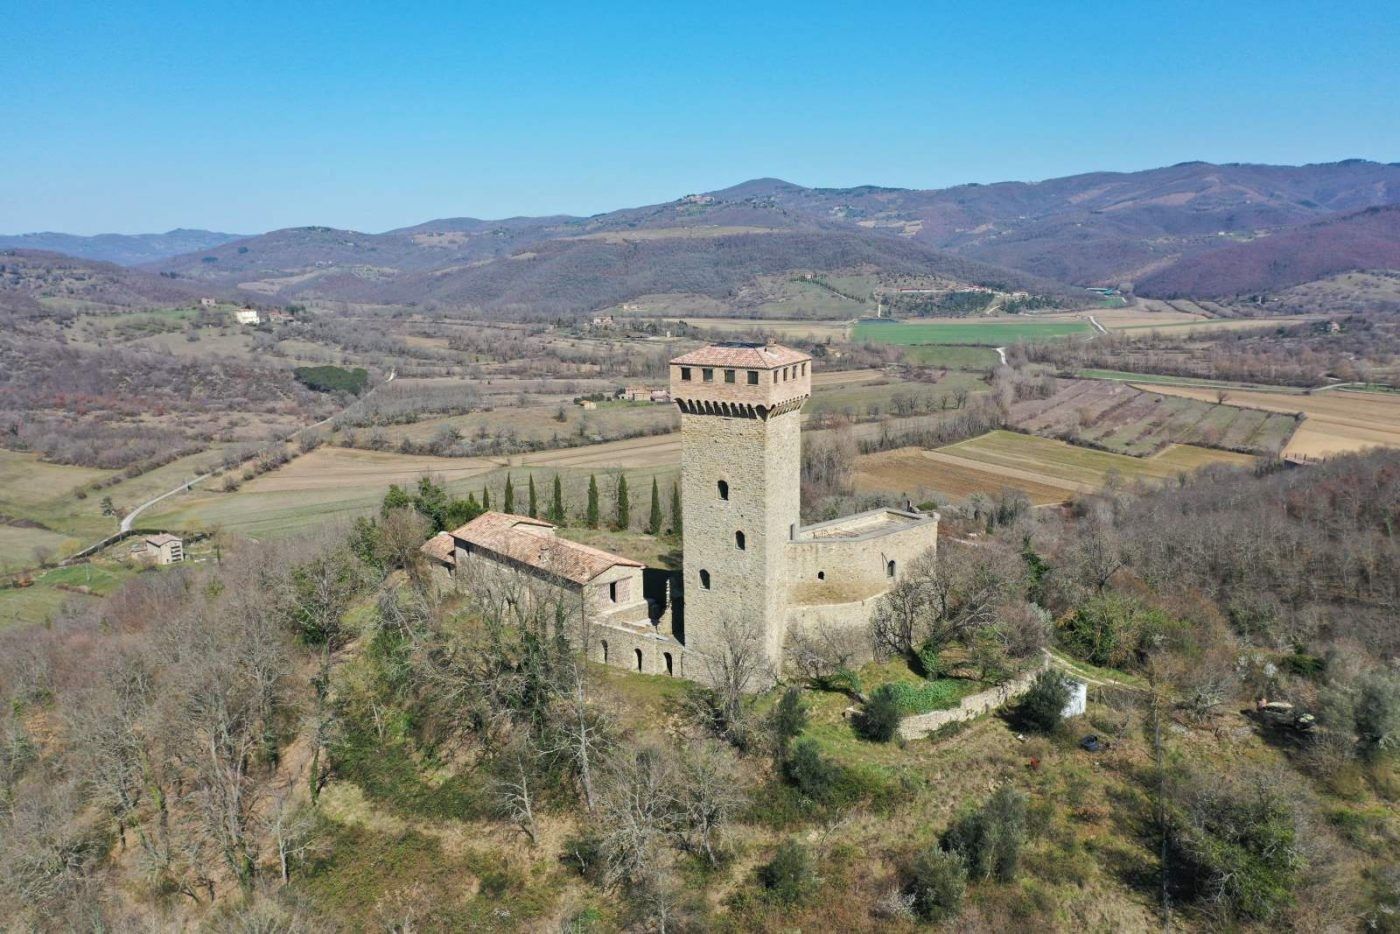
987,332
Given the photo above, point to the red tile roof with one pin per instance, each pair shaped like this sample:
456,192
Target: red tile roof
533,542
752,356
441,548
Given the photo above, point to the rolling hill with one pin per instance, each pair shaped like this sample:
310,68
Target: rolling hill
1097,228
1367,239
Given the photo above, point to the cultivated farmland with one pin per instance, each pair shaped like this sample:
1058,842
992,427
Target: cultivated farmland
1336,421
1047,471
1128,420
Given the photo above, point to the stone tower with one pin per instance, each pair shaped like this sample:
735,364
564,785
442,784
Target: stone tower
740,490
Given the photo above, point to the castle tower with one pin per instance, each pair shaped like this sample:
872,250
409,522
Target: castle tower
740,490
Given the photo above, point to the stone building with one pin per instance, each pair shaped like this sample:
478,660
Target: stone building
750,571
161,549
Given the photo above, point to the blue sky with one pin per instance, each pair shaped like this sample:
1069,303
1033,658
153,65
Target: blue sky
245,117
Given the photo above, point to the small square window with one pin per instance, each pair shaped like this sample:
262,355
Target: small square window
685,374
708,375
729,376
753,377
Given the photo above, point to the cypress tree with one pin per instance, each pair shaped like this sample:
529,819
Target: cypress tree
509,505
592,518
675,509
486,498
624,503
654,520
534,500
556,508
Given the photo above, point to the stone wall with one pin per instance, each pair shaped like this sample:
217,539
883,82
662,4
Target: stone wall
921,725
859,563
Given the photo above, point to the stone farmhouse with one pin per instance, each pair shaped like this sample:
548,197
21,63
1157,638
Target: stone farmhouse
160,549
750,571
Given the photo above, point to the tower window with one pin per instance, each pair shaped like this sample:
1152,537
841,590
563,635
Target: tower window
723,490
707,374
670,664
804,369
729,376
739,540
685,374
775,376
704,578
638,653
604,646
889,569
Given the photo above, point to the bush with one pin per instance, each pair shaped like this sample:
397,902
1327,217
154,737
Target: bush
789,876
1108,629
879,719
1377,713
1042,707
930,664
810,772
789,717
938,881
989,841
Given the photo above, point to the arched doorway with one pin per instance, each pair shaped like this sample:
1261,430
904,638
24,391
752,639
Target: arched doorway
670,670
639,658
604,646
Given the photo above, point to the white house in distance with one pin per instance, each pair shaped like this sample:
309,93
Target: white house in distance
247,316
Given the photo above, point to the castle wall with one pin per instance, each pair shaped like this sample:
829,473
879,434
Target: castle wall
860,564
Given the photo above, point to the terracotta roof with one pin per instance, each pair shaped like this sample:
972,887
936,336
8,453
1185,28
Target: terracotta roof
754,356
441,548
532,542
165,538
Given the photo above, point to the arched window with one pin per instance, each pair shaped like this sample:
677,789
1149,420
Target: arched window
639,658
669,664
739,540
604,646
705,579
889,569
821,575
723,490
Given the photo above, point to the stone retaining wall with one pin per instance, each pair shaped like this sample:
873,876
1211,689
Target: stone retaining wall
921,725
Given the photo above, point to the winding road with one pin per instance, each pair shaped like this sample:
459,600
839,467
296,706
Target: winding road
130,518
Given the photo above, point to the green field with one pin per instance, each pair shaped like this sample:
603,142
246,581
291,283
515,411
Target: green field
990,332
952,356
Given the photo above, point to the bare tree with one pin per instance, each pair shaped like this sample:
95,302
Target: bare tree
516,788
709,795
